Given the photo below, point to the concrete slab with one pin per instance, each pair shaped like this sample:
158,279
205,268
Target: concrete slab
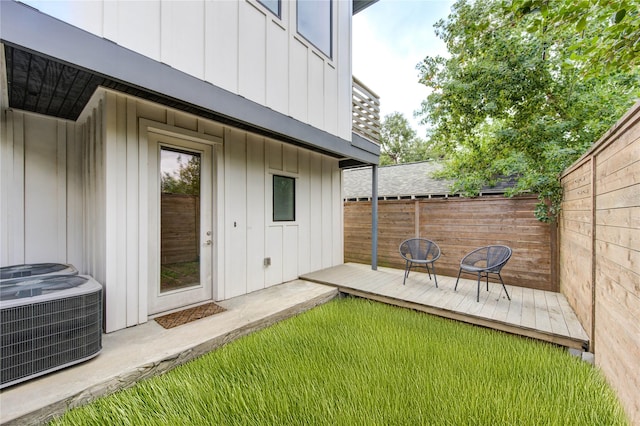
145,350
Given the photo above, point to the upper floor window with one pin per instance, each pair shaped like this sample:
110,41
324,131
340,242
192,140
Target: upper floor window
273,5
314,23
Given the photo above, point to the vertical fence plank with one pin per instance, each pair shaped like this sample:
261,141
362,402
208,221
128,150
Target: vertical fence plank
457,225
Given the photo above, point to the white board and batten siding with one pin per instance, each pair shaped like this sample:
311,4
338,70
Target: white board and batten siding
239,46
311,242
40,182
77,195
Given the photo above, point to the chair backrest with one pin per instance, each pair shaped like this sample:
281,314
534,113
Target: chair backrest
419,249
491,258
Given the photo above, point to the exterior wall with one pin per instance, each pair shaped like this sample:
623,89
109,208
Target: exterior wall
457,225
237,45
41,190
76,193
600,245
312,242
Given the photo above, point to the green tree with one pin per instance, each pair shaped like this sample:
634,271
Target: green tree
607,31
512,102
399,142
187,179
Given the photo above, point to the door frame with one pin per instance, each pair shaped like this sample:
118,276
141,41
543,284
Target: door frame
147,130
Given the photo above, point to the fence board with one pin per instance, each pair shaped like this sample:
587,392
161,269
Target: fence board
457,225
179,229
599,258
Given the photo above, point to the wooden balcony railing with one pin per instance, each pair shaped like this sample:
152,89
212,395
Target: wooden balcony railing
365,111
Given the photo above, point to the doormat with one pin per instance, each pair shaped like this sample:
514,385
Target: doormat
183,317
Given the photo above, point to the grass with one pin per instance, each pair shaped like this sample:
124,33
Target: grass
179,275
353,361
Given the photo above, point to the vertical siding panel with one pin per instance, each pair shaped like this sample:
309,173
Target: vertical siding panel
16,214
277,68
118,164
331,99
303,199
325,208
221,44
61,191
219,213
139,26
40,190
6,171
89,192
182,36
290,253
290,158
298,80
274,251
114,216
275,155
315,88
255,212
236,211
252,53
336,209
143,209
343,59
315,210
136,297
75,210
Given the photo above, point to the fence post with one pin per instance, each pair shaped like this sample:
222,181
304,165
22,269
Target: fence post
417,218
374,217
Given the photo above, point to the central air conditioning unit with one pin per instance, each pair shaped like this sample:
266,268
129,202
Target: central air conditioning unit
48,322
35,269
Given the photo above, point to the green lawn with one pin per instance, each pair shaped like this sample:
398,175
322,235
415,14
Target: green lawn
357,362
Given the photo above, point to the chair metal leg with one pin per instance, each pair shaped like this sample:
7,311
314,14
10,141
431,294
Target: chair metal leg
503,286
407,268
456,287
434,274
478,297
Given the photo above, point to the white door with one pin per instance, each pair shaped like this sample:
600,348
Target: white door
180,223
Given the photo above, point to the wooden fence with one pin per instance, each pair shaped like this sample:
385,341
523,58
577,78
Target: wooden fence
457,225
179,229
599,239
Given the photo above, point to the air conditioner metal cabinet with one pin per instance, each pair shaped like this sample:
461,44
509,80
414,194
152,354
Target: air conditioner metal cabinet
48,323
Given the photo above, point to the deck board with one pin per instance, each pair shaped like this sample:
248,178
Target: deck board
532,313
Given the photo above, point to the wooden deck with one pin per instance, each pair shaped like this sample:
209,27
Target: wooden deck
538,314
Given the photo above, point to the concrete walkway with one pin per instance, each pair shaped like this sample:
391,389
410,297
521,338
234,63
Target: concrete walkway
146,350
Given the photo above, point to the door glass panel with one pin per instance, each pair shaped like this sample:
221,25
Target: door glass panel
179,219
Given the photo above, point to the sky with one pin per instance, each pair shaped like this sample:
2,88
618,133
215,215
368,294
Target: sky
390,38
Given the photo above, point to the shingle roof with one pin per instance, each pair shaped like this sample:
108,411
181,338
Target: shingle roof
411,180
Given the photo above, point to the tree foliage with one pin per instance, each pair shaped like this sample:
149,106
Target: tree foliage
186,180
509,101
607,31
399,142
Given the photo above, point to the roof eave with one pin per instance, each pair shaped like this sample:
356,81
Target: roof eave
360,5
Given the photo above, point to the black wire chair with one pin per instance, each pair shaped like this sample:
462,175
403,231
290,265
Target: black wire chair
484,261
419,252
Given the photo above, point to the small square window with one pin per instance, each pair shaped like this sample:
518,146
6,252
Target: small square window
272,5
284,199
